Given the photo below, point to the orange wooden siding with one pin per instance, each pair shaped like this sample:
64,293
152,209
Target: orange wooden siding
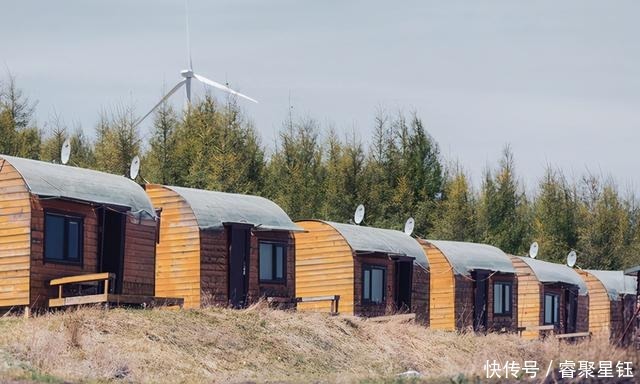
528,298
599,305
15,238
178,252
442,290
324,266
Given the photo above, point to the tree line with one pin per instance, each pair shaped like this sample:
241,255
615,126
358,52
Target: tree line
314,172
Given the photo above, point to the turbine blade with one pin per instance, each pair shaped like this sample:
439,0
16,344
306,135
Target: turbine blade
171,92
222,87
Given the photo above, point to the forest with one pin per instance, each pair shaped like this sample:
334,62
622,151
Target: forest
315,172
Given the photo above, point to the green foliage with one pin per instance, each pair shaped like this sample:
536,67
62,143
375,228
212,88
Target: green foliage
504,216
457,216
17,136
117,141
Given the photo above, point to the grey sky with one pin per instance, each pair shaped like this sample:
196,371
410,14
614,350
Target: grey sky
559,81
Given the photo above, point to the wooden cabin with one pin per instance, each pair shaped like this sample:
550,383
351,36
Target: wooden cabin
612,300
634,326
223,249
374,271
551,297
473,286
58,221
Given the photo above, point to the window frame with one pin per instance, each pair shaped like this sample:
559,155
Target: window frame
274,259
504,299
555,307
370,268
79,219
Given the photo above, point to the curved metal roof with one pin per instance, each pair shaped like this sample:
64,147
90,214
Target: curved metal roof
213,209
63,181
465,257
370,239
616,283
547,272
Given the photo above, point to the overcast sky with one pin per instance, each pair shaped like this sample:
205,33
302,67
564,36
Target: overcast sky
559,81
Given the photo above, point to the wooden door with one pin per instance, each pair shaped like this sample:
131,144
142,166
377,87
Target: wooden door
239,248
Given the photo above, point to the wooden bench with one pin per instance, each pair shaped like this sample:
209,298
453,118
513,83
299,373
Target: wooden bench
104,297
573,335
550,327
335,301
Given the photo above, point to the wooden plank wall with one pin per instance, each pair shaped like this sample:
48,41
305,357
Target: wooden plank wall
41,271
441,288
214,267
324,266
15,239
178,252
599,304
388,307
529,298
282,290
139,257
420,294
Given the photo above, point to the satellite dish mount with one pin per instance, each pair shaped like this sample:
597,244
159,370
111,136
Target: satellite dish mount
134,169
571,259
359,214
65,151
409,226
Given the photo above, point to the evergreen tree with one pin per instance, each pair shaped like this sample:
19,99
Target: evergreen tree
17,136
555,224
118,141
160,166
504,209
456,214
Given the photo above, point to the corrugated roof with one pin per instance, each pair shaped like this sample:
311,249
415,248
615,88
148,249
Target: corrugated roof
212,209
465,257
63,181
616,283
370,239
547,272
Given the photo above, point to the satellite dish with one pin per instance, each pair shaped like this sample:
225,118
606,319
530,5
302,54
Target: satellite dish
571,258
533,250
409,225
359,215
65,152
135,168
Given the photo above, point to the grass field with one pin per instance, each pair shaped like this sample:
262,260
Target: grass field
257,345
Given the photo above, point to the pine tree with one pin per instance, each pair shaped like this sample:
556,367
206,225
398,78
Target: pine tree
456,214
118,141
18,137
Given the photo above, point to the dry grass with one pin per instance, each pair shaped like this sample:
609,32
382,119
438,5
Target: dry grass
257,344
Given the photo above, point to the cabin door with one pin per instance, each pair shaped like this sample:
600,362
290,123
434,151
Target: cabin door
403,283
239,248
571,309
480,300
112,245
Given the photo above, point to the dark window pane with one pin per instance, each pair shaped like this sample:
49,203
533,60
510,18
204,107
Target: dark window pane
266,261
507,298
497,298
279,262
367,284
548,309
377,285
73,237
54,237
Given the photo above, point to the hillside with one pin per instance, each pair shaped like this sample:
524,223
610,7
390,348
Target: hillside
257,344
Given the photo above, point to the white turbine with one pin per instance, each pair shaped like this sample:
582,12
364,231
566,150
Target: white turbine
188,74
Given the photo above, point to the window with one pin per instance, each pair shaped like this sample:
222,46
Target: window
62,238
551,308
272,262
502,298
373,283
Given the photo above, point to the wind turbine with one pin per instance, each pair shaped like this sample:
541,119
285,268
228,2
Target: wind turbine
188,75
